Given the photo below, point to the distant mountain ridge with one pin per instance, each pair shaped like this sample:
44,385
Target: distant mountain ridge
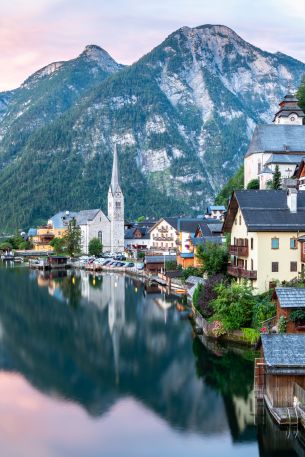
181,116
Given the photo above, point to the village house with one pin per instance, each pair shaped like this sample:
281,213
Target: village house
280,376
137,239
163,235
215,212
290,303
280,144
93,223
191,234
265,228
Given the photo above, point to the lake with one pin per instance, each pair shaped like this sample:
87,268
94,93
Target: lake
105,366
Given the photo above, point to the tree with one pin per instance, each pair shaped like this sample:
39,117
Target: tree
276,181
95,247
140,219
25,245
58,245
6,246
213,257
301,94
234,305
234,183
253,184
72,239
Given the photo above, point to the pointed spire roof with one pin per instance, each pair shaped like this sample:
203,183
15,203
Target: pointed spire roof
115,179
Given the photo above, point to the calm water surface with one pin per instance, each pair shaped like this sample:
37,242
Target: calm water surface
102,366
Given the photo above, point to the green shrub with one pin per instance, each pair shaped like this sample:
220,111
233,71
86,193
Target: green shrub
234,305
282,324
263,310
251,335
297,315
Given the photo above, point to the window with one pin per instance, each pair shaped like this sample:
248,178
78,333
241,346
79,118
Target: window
118,204
275,243
293,243
236,221
274,267
259,168
293,266
100,236
252,243
252,264
239,220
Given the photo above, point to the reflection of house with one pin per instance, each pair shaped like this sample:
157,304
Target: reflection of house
163,234
282,144
288,300
264,227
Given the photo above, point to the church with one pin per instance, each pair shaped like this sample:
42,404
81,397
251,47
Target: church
94,223
281,144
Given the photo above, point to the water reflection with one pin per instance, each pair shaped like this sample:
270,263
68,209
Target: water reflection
122,353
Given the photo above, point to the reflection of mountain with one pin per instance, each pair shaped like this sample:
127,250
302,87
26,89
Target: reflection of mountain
121,346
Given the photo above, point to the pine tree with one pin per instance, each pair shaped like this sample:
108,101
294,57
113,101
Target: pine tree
301,94
276,181
72,239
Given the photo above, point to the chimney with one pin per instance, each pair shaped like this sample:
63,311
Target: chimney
292,200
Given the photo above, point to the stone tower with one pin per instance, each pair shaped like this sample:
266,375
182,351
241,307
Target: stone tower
116,208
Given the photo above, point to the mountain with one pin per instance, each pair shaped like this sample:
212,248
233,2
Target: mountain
181,116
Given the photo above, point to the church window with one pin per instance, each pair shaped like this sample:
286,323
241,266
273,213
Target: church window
118,204
100,236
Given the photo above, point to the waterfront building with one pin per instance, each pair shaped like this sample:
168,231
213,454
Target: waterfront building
137,239
291,300
265,228
93,223
279,144
163,235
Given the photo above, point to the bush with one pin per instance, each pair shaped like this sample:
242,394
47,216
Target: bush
206,293
253,184
297,315
170,265
234,305
192,271
282,324
214,258
251,335
6,246
263,310
95,247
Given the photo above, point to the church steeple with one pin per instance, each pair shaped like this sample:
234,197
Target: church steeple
116,207
115,178
290,113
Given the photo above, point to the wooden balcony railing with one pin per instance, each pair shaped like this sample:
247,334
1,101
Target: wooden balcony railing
238,272
239,251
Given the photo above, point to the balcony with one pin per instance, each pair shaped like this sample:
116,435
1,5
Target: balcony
239,251
162,229
163,238
239,272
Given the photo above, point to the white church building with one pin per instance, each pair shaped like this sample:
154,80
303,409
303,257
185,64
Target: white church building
94,223
281,143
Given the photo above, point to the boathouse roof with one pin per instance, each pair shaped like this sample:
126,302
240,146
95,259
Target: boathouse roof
284,353
291,297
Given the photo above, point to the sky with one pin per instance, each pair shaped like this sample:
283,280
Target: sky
34,33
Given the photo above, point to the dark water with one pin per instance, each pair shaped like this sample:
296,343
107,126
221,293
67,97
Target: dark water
104,367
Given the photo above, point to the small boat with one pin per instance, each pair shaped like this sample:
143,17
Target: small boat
181,291
18,259
7,257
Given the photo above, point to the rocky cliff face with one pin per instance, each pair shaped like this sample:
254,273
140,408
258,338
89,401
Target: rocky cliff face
182,117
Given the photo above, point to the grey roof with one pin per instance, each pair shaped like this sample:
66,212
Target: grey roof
211,208
284,353
160,258
130,233
62,219
291,297
215,228
207,239
173,221
277,138
285,158
190,225
194,280
266,170
267,210
86,215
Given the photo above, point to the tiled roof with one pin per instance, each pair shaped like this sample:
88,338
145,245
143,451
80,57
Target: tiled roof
86,215
206,239
215,208
267,210
215,228
194,280
173,221
291,297
189,225
160,258
293,159
277,138
61,219
284,353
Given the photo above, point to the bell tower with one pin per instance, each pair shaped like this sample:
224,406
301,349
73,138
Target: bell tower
290,113
116,208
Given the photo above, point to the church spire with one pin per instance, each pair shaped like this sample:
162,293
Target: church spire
115,179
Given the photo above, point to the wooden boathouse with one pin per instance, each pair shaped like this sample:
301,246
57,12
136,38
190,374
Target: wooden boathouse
280,376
